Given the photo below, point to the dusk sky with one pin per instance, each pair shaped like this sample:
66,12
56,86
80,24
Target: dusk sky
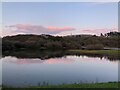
59,18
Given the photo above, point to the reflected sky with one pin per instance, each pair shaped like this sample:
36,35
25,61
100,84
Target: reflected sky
68,69
66,59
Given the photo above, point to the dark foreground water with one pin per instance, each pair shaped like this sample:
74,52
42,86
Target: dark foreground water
34,71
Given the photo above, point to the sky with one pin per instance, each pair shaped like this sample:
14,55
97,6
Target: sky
59,18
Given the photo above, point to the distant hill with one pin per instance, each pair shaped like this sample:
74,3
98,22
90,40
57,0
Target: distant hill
49,42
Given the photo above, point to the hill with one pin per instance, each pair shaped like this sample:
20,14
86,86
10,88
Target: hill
49,42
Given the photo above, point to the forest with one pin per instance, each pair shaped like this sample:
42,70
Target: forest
70,42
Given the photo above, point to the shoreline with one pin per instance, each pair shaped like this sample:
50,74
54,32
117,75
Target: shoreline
98,52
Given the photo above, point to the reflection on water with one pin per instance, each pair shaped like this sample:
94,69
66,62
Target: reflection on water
15,60
35,54
10,59
21,69
53,54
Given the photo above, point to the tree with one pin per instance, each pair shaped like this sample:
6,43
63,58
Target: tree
101,34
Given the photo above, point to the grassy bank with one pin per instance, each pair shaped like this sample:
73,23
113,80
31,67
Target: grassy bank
97,85
98,52
93,85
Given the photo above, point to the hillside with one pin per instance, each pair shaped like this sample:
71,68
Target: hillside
45,42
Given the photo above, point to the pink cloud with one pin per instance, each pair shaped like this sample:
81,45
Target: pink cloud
52,28
27,28
39,29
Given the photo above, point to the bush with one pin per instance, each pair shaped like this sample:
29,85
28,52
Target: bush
95,47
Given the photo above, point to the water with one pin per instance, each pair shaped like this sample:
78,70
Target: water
33,71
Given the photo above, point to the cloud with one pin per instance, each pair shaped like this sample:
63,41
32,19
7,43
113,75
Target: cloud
92,31
52,28
37,29
98,31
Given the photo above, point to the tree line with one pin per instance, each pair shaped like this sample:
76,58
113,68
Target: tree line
49,42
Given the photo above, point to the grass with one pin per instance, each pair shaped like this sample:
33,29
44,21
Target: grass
98,52
92,85
96,85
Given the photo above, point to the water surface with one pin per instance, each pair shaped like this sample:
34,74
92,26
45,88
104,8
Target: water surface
19,72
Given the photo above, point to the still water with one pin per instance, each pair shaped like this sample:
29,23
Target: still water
20,72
